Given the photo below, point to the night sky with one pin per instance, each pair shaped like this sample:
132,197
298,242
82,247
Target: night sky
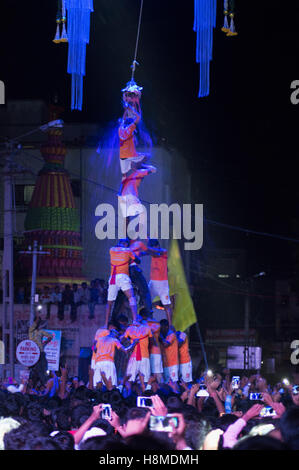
240,142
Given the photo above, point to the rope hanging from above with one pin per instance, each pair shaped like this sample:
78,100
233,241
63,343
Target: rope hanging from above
204,24
132,92
78,14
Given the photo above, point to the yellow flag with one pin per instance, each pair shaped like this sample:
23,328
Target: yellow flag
184,314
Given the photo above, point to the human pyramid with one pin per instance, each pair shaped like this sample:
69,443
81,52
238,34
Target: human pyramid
157,349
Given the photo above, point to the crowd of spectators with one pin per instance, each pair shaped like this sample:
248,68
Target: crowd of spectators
68,414
73,296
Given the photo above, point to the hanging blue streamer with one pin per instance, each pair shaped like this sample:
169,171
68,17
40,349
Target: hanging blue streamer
204,24
78,18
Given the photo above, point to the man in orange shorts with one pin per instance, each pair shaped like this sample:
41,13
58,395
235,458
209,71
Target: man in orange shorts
104,356
170,353
120,257
139,360
158,284
185,363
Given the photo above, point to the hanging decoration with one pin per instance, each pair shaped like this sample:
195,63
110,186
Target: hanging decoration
204,24
229,12
225,27
78,17
63,37
60,20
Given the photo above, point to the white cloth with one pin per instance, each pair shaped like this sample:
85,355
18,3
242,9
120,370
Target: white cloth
143,366
130,205
108,367
14,389
185,371
122,282
160,289
126,163
156,363
93,432
171,372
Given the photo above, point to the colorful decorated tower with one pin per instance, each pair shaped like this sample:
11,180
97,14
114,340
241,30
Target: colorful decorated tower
53,220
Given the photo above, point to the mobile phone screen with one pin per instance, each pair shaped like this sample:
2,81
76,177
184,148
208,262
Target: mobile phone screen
144,402
106,412
163,423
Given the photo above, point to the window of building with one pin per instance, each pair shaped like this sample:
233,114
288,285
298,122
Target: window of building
23,194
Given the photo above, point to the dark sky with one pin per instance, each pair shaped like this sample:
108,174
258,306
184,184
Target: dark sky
240,142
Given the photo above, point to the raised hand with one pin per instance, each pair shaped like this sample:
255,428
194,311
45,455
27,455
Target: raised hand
158,408
141,378
253,412
96,411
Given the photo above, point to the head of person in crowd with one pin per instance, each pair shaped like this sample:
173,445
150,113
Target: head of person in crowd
113,330
64,439
123,322
111,443
164,327
289,427
124,242
260,443
153,243
6,425
143,314
41,443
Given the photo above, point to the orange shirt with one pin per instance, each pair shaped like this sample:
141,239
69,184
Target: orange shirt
155,327
106,348
143,333
120,258
99,334
184,355
170,354
159,268
126,141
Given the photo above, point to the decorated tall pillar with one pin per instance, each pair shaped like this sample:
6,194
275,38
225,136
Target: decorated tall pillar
53,220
